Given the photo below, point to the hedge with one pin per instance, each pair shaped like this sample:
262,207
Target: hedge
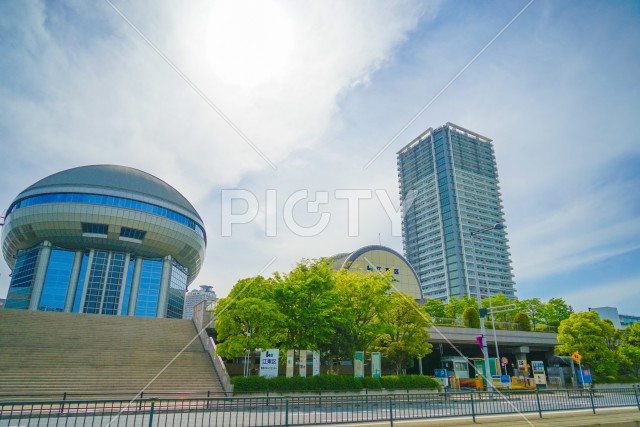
331,383
615,379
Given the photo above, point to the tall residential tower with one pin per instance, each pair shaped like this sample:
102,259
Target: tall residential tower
449,189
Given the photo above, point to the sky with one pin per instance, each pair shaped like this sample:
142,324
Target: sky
272,98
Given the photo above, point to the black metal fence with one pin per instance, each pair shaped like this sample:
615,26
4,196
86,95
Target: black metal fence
307,410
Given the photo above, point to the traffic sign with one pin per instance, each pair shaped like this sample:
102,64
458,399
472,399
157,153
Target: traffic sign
576,356
504,361
440,373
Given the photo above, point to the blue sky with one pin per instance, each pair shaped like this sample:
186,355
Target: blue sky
320,87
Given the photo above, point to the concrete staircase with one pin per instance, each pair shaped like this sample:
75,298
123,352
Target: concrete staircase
43,353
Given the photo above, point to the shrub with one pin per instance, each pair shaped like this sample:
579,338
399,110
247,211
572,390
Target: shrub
471,317
523,321
396,382
249,384
288,384
344,383
371,383
334,383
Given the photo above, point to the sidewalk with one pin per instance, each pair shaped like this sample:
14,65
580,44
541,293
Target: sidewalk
627,417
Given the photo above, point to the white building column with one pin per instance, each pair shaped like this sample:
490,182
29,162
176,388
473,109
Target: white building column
73,282
123,282
135,285
41,272
87,274
165,280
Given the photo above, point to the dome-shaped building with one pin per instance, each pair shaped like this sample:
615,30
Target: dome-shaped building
381,258
102,239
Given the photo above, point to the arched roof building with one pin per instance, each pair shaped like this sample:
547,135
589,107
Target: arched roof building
381,258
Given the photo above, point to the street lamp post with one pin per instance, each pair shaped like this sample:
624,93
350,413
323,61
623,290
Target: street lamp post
482,311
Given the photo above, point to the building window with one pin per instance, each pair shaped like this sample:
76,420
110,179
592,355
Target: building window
22,279
177,289
132,233
149,289
113,286
56,282
95,229
97,199
95,285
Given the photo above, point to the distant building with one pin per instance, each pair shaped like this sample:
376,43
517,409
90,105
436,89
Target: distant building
193,298
449,189
380,258
620,321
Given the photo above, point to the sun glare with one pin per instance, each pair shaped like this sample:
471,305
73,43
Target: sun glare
248,43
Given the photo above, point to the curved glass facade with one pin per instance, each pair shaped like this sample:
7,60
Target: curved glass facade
98,282
22,279
149,290
119,202
177,289
56,282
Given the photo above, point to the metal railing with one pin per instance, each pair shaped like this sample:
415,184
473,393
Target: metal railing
309,410
504,326
200,319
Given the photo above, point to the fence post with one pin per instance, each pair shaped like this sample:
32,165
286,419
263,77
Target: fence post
286,412
391,410
635,390
593,406
64,397
473,409
538,400
153,403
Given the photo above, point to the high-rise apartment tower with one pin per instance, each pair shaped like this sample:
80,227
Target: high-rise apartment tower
453,219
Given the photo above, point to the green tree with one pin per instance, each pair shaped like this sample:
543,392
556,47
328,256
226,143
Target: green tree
363,297
522,320
434,307
499,300
631,335
247,319
531,307
630,356
555,311
585,333
471,317
456,306
307,299
405,335
610,334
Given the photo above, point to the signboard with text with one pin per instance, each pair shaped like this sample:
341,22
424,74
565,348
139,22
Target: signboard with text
302,367
316,363
376,365
290,364
269,363
358,364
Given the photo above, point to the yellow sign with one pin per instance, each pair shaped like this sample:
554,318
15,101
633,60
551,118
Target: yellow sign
576,356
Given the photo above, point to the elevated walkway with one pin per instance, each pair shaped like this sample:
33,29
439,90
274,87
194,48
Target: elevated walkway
43,353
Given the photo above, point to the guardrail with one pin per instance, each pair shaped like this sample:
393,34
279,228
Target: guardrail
309,410
504,326
200,319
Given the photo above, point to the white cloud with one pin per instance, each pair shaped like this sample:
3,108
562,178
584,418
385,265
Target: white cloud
623,294
320,87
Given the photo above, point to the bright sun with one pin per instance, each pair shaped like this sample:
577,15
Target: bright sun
248,43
